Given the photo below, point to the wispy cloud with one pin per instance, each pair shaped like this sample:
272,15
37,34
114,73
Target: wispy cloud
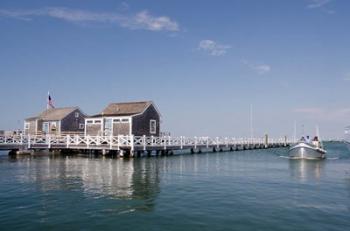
142,20
317,3
258,68
213,48
347,76
324,113
320,4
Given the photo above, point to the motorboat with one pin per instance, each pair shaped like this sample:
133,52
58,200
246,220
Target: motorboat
307,150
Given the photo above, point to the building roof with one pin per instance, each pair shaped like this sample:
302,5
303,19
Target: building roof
54,113
125,109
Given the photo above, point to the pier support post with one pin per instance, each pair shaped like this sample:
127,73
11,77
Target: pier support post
266,141
285,141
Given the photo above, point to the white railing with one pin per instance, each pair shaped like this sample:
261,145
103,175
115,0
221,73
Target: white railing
132,142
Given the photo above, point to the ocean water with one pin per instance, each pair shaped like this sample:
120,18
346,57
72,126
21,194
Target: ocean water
246,190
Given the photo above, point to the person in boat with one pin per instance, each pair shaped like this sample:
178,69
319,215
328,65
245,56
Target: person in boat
302,139
316,141
308,139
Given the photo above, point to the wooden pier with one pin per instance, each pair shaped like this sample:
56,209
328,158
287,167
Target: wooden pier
135,145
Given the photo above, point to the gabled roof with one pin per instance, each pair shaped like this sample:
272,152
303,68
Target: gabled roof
54,113
125,109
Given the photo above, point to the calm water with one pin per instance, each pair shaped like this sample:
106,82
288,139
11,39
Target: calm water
250,190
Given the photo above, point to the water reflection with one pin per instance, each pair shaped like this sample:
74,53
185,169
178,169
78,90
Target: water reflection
306,169
96,177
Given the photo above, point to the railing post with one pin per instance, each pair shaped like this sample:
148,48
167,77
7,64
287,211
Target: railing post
217,142
181,142
49,141
152,140
207,142
132,148
28,141
110,141
118,142
164,142
144,142
88,141
226,141
21,139
195,142
67,141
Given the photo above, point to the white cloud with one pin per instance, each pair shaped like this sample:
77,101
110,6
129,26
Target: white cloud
213,48
142,20
258,68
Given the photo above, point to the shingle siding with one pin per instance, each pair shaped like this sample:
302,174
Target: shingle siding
141,123
93,129
71,124
121,129
32,126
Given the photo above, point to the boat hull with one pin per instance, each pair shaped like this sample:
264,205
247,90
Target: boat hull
304,151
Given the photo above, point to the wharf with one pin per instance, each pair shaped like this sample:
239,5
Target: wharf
134,145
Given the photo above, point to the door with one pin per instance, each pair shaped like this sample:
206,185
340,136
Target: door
107,127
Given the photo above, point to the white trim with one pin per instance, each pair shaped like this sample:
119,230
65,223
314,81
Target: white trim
130,126
26,125
76,114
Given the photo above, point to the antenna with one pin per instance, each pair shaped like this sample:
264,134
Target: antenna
251,122
295,131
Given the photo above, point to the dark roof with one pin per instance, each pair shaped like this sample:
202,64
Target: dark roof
54,113
125,109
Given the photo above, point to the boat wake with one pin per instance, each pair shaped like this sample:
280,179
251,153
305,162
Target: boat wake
299,158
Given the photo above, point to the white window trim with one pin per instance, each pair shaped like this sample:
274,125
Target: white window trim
151,131
81,126
26,126
76,115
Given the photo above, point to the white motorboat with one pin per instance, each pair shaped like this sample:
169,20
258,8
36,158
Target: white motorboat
306,150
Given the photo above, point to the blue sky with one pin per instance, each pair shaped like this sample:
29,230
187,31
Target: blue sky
202,62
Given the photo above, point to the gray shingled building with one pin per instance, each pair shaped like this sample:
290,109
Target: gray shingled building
130,118
56,121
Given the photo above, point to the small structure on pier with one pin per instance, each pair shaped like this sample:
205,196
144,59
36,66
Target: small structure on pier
56,121
130,118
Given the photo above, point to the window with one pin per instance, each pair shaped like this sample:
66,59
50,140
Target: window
46,127
77,115
125,120
26,126
153,126
89,121
81,126
97,121
116,121
53,126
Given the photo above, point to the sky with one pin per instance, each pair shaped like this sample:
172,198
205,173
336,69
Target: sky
203,63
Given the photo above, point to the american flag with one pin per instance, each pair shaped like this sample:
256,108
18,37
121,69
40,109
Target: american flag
49,102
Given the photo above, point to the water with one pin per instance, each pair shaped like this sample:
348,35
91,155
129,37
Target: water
250,190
